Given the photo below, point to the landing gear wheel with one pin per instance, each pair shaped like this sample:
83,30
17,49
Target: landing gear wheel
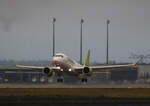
60,80
84,80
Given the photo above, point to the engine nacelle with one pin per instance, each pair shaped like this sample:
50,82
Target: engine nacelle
87,71
48,71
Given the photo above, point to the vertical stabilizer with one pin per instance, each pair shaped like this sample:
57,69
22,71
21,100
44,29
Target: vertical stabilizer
87,60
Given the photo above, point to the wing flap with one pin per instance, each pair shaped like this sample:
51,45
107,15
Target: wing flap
37,67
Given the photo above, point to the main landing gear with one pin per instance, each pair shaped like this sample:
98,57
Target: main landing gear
84,80
60,80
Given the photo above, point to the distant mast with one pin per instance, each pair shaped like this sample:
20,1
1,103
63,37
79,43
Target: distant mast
81,23
54,20
107,51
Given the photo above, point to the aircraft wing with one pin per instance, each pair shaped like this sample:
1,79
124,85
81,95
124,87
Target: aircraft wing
111,66
37,67
106,67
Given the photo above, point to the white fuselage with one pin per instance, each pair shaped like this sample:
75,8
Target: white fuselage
65,63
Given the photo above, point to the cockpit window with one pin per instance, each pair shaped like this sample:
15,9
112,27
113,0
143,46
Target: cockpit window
59,56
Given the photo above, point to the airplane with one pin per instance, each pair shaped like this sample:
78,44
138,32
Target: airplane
63,64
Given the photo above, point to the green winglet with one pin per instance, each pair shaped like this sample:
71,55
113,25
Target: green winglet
138,61
87,60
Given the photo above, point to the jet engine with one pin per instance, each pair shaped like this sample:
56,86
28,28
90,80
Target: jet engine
48,71
87,71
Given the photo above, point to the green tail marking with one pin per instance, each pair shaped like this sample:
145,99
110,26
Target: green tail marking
87,60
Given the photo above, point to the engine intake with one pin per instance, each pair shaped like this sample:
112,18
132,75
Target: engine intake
48,71
86,70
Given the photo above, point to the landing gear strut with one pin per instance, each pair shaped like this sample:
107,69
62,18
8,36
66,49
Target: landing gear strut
60,78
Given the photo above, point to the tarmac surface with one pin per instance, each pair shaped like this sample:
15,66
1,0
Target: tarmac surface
69,94
60,85
63,101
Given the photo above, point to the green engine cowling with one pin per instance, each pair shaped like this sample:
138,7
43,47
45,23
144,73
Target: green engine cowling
48,71
88,71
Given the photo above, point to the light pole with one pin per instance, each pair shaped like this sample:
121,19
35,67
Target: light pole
107,55
81,40
54,20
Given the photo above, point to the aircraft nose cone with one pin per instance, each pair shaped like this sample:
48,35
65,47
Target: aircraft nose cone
54,59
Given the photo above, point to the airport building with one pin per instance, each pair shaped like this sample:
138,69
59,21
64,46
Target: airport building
129,74
124,74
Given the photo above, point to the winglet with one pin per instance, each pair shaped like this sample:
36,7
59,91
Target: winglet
17,65
133,65
87,60
137,62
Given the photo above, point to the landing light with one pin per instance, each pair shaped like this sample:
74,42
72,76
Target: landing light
70,70
58,67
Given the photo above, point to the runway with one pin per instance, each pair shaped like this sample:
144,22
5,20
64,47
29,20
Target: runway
62,85
67,94
65,101
66,90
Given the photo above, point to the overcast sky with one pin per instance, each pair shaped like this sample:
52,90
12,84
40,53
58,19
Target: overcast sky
26,28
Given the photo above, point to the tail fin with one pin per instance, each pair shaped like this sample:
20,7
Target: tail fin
87,60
